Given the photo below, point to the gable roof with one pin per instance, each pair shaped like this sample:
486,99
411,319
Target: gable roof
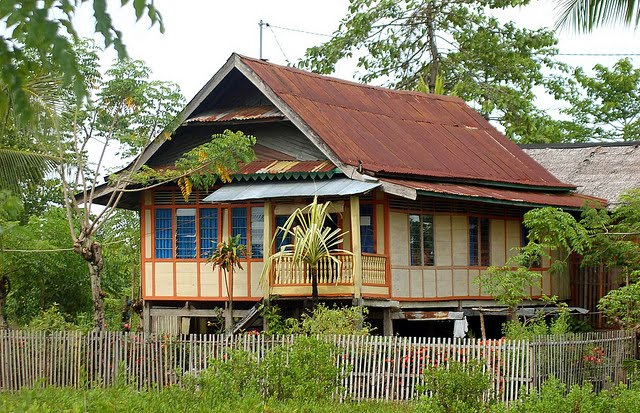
401,132
604,170
363,130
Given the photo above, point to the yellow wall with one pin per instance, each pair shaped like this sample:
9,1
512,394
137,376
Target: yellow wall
451,277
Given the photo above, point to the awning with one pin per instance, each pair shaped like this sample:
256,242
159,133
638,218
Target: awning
242,191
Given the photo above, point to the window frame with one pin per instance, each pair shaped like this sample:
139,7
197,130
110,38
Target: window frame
479,256
421,215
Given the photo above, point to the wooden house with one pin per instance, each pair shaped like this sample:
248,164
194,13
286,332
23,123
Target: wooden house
430,193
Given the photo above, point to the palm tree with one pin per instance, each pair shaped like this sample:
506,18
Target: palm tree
587,15
227,256
313,241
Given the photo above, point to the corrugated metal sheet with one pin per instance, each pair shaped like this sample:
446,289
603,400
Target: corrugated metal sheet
243,191
535,198
402,132
278,167
237,114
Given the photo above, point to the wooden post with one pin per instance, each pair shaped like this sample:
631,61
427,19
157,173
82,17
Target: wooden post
146,317
266,251
356,248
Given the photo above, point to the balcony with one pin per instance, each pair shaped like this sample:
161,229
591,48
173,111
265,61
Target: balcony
334,279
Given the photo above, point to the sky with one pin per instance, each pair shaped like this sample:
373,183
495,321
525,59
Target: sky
201,34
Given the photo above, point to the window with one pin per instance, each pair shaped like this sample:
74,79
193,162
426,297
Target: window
533,260
421,240
185,233
257,232
239,224
208,231
282,238
479,242
366,228
164,233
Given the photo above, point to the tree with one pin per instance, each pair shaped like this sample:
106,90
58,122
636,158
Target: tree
602,238
494,67
588,15
313,241
45,30
603,107
227,257
128,112
10,210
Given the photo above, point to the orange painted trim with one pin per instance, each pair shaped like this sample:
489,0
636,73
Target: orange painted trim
194,298
387,241
319,284
143,278
375,295
453,297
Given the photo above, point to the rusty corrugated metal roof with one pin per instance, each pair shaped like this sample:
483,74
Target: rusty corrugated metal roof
279,167
237,114
505,195
402,132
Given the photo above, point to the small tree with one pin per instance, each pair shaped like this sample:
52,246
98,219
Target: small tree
313,241
227,257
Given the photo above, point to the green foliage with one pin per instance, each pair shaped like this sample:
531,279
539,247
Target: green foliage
233,377
46,31
305,370
456,387
313,241
621,305
493,66
605,106
507,285
321,321
538,325
51,320
586,16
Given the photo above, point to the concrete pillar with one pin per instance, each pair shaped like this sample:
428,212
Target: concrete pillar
387,322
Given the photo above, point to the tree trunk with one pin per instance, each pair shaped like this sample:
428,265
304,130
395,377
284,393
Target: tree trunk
433,50
483,330
228,318
91,252
3,321
97,296
314,287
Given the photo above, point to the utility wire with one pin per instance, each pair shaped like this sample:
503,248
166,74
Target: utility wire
279,45
558,54
299,31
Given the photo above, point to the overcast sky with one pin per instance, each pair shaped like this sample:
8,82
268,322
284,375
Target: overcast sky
201,34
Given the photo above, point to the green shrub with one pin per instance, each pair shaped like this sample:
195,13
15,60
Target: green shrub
322,320
51,319
456,387
233,377
305,370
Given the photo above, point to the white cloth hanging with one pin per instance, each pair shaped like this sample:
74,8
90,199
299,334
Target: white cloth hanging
460,328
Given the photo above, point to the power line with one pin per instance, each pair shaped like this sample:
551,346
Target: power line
299,31
598,54
278,43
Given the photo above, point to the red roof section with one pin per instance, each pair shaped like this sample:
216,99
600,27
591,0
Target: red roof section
402,132
238,114
567,200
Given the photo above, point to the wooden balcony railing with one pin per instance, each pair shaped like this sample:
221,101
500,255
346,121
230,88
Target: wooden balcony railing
374,269
329,272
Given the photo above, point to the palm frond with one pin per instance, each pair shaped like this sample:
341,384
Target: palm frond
586,15
19,166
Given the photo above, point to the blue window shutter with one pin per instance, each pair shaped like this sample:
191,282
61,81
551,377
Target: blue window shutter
239,224
283,239
366,228
185,233
164,233
208,231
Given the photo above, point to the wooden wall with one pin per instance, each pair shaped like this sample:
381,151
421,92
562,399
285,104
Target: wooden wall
451,277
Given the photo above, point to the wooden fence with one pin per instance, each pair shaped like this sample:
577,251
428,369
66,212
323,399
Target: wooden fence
383,368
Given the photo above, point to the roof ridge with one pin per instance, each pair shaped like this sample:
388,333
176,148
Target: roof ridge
296,70
577,145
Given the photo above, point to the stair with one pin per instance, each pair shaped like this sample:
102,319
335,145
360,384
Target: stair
245,321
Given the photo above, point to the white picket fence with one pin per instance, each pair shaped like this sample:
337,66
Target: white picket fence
380,368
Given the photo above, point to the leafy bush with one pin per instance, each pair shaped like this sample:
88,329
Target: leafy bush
233,377
322,320
456,387
50,320
305,370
